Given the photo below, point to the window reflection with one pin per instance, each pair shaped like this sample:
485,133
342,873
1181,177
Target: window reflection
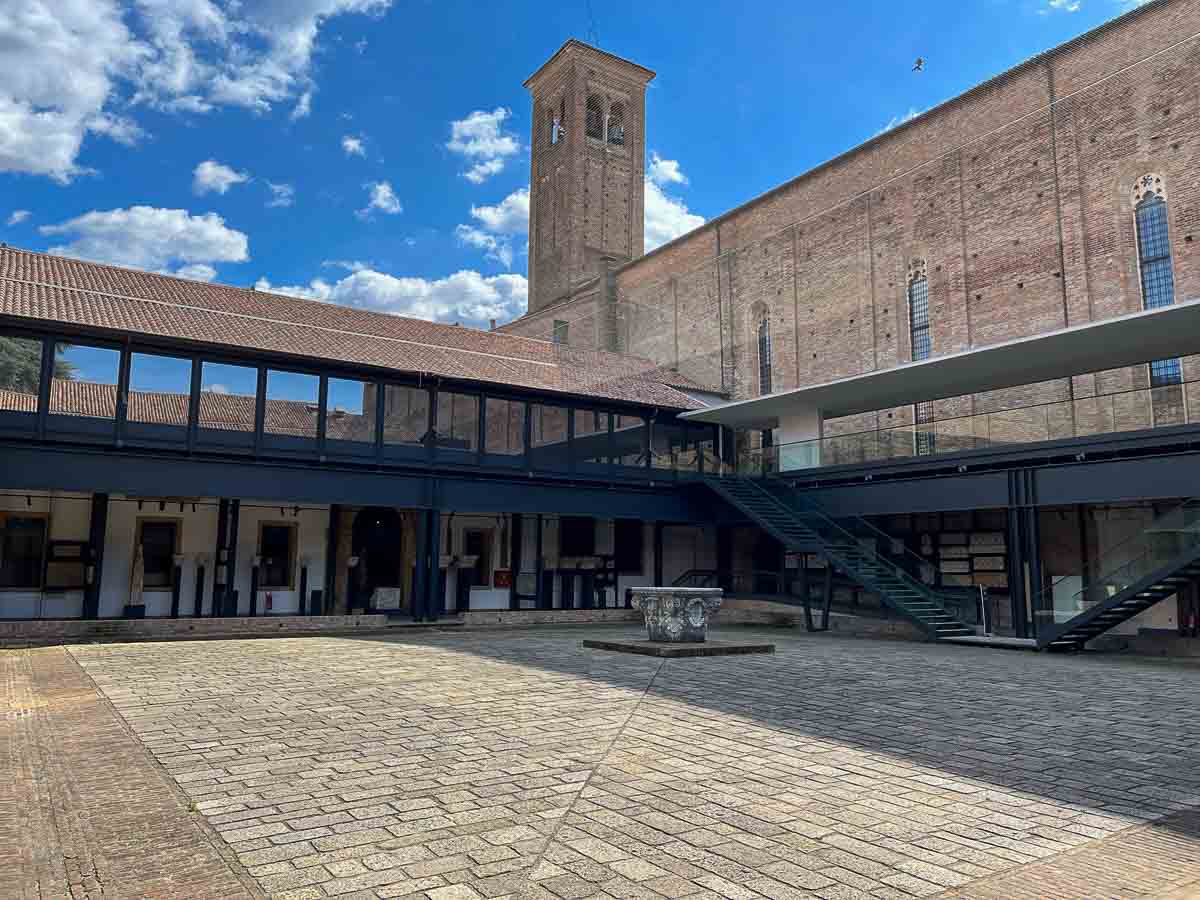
405,415
505,427
85,381
160,388
350,411
291,407
227,397
457,421
20,374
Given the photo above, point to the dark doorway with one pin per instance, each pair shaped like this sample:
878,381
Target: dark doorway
377,539
768,564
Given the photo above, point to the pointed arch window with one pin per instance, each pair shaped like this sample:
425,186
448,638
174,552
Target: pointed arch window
616,124
767,438
764,355
595,117
922,347
1155,271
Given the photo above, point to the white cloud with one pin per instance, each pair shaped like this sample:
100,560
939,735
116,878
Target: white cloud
58,64
350,265
281,194
465,296
382,198
509,216
353,146
664,171
197,272
70,68
303,107
212,176
496,248
253,55
666,217
481,139
17,217
497,226
1067,6
147,237
482,171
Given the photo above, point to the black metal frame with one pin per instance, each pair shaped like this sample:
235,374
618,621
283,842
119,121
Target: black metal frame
259,444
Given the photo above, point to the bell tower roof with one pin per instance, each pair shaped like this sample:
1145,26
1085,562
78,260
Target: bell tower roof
577,48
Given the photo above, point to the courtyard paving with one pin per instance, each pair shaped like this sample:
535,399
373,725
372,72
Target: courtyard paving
460,765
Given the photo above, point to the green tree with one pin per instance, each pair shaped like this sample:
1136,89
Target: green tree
21,365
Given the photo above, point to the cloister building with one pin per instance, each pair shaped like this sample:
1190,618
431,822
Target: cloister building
945,376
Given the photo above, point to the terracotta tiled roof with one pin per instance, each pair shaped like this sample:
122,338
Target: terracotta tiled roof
55,289
229,412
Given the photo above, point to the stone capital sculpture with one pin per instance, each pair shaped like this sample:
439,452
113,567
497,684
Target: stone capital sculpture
677,615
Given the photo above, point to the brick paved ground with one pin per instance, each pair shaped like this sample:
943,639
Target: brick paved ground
488,764
84,810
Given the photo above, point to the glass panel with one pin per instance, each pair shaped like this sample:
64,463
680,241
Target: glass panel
349,411
159,540
159,389
457,421
20,374
22,544
548,437
292,404
592,446
706,449
669,449
405,415
227,395
85,381
505,427
629,447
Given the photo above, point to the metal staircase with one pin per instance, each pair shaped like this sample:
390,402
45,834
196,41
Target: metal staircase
848,545
1157,563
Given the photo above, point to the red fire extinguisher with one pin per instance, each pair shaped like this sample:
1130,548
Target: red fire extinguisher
270,600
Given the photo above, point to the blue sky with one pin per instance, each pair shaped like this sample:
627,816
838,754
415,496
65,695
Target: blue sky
375,152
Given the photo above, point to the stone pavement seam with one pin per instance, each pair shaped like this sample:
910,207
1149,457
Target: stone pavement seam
167,779
550,838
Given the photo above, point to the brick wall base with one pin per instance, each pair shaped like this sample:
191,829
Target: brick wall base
734,611
72,631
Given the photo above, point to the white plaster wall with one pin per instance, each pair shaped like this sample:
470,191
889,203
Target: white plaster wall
197,535
69,516
313,525
802,425
462,523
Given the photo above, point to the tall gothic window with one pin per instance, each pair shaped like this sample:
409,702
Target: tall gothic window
595,117
616,124
764,355
922,346
1154,263
764,369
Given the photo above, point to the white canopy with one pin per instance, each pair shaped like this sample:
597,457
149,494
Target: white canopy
1139,337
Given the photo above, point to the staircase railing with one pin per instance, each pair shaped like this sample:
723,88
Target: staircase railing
840,544
1167,538
889,548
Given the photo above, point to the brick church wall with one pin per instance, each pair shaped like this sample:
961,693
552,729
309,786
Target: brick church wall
1018,197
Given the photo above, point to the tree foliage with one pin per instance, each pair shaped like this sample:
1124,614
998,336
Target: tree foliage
21,365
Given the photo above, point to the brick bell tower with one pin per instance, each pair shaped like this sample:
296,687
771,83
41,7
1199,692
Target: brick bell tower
586,188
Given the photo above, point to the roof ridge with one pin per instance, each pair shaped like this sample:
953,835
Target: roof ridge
380,316
273,321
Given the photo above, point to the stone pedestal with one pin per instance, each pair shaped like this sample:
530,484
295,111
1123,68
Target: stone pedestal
677,614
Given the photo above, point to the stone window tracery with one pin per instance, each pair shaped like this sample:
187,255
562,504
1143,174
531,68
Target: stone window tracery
595,117
1155,271
616,124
